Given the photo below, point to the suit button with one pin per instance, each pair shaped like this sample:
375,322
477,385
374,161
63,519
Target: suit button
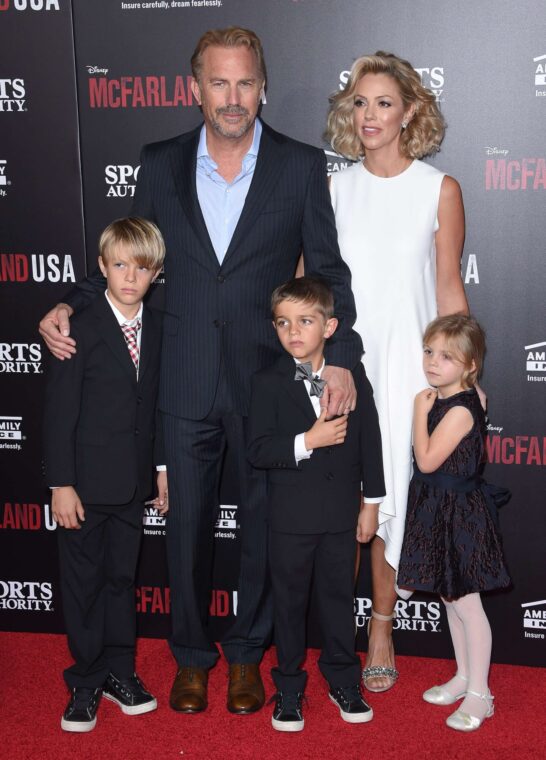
216,323
221,278
329,476
139,400
137,431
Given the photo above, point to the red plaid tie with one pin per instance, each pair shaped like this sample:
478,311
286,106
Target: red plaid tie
130,332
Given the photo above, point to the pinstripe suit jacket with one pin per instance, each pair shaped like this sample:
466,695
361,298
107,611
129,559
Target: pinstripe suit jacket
214,311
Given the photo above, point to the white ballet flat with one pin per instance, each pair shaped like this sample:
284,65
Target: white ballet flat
439,695
463,721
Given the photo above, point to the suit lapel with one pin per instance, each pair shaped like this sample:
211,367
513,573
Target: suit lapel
183,163
112,335
269,165
296,388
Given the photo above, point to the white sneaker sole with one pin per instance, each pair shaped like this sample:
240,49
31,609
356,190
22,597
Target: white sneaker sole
287,726
78,727
353,717
132,709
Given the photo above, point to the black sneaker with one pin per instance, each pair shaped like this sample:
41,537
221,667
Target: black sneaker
287,715
350,701
130,694
81,712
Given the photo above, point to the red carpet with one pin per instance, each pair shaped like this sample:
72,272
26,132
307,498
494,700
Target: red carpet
33,696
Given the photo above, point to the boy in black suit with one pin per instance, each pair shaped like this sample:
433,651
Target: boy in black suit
317,473
99,430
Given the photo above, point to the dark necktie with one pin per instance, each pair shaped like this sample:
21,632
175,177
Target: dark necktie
305,372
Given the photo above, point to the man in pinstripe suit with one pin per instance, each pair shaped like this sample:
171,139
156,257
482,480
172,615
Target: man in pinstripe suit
236,203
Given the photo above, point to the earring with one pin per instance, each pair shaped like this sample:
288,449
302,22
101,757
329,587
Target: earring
404,124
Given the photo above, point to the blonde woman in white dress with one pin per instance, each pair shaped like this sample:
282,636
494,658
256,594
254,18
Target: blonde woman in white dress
401,230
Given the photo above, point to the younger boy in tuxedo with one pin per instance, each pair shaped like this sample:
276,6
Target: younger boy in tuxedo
99,431
318,470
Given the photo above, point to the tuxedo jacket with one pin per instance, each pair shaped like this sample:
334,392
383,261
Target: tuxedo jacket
99,421
222,311
321,494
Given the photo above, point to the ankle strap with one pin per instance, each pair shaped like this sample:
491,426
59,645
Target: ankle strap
487,697
385,618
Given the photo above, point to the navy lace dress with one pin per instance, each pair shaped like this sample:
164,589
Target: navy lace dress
451,543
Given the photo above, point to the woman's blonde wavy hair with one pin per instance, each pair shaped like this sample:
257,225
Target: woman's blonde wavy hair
424,132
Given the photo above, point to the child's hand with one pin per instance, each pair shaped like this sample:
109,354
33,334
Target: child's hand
325,433
368,523
424,401
161,501
67,508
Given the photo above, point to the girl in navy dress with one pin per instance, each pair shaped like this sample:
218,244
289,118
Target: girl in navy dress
451,544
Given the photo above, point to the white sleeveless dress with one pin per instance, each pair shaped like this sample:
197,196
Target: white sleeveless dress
386,232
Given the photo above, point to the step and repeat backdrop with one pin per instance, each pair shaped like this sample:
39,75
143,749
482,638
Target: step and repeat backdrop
83,85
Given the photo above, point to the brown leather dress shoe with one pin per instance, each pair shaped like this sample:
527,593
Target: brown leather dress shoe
189,690
246,690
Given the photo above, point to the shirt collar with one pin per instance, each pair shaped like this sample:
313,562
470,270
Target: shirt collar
203,151
119,316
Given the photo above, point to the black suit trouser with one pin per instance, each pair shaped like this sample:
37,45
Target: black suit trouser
194,452
98,565
326,560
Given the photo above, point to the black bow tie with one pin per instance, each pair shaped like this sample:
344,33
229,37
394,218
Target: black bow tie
305,372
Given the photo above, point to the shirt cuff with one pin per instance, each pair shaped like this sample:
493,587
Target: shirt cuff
373,499
161,467
300,452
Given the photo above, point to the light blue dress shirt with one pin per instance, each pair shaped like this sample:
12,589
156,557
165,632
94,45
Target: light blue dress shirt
222,202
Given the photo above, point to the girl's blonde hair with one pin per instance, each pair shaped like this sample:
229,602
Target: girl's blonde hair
465,338
423,134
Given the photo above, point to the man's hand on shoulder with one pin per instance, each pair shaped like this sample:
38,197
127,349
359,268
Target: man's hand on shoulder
340,392
55,330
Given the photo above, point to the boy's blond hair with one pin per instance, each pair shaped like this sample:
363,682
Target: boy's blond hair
142,238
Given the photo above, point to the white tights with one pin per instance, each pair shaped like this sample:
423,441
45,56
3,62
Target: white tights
471,637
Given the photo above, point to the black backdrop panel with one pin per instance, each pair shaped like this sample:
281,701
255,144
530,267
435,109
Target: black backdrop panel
41,254
119,73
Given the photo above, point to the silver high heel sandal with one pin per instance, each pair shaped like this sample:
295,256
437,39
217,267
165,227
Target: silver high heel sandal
379,671
463,721
439,695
